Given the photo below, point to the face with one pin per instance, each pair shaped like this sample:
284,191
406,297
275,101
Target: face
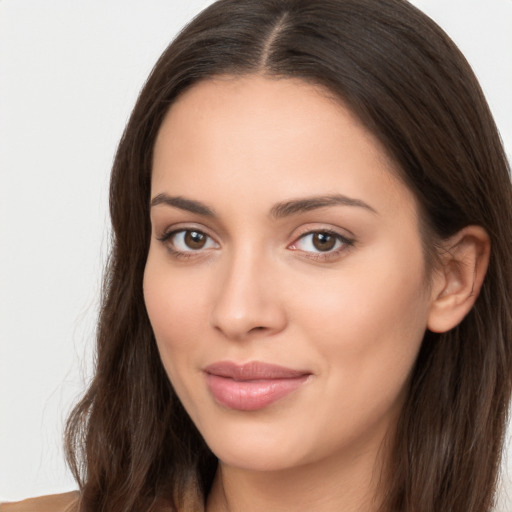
285,281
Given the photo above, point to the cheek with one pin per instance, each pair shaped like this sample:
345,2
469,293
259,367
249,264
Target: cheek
175,310
363,307
368,325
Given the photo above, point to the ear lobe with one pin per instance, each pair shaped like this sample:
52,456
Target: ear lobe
457,283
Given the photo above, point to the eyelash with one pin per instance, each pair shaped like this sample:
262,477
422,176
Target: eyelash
167,240
345,244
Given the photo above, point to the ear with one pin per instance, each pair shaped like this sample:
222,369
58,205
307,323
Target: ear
457,283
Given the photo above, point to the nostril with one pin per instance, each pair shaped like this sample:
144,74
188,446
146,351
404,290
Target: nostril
240,310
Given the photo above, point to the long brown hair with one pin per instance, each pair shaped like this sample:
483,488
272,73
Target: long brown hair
130,442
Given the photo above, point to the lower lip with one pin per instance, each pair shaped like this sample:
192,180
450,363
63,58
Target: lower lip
251,395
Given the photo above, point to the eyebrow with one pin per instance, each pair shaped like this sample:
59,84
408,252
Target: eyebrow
298,206
188,205
279,210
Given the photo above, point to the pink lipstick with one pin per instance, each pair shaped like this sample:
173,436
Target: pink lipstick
253,385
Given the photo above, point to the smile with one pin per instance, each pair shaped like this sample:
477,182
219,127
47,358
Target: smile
251,386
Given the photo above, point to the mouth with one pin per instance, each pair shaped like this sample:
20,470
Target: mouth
251,386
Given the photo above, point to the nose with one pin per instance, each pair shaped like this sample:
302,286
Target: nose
247,301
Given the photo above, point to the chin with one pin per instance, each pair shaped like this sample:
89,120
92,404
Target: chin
251,458
267,448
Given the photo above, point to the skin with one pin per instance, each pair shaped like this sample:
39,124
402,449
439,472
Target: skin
352,316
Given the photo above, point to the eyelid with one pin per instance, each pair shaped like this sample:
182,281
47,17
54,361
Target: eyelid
168,235
318,227
174,228
347,242
335,234
343,241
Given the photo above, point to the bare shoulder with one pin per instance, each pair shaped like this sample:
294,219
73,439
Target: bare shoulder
67,502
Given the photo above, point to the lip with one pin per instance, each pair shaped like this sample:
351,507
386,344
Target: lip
251,386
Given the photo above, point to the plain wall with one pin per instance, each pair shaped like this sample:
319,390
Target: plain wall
70,72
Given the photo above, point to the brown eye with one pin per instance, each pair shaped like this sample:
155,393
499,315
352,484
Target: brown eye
323,241
188,240
195,240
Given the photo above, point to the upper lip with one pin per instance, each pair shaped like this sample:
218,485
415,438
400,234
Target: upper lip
253,370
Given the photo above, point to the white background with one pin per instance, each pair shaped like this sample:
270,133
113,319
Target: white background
70,72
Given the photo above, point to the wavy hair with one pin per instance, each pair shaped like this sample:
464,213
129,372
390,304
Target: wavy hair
129,441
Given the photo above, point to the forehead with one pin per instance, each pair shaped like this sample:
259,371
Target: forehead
246,132
265,107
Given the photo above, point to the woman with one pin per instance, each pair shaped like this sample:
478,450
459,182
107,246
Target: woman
308,299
